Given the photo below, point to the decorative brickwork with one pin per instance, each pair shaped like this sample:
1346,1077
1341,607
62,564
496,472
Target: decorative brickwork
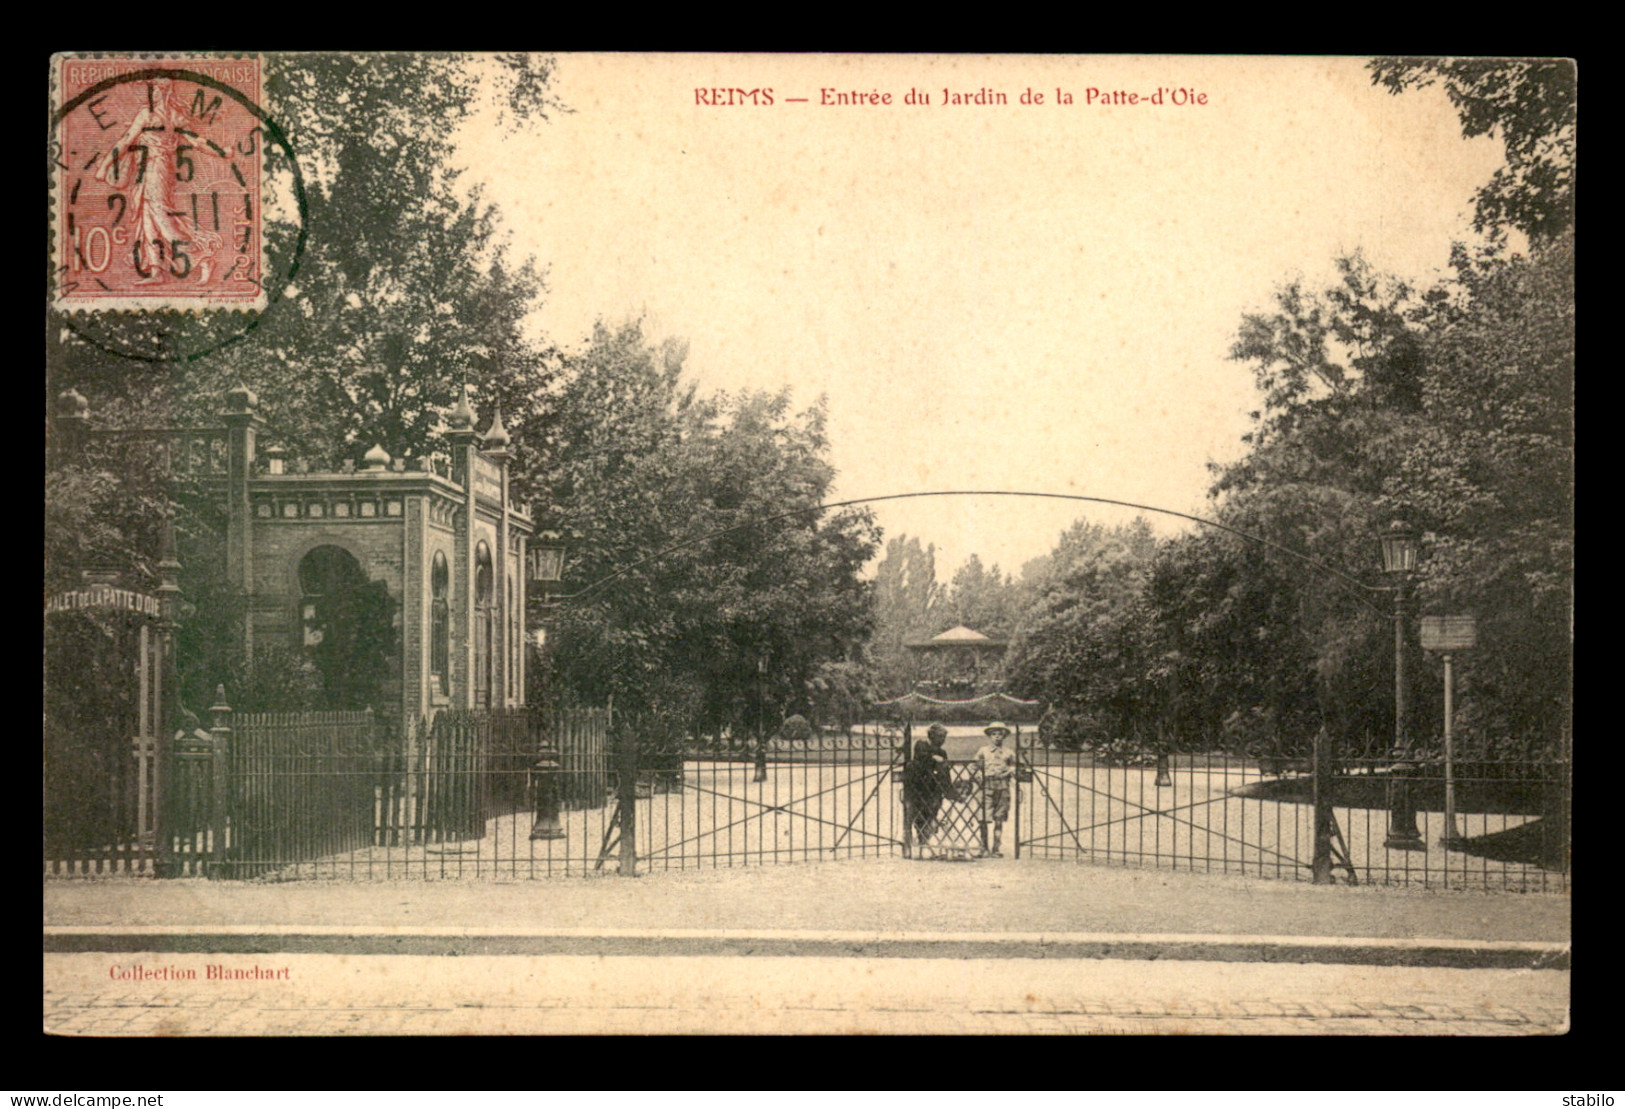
392,521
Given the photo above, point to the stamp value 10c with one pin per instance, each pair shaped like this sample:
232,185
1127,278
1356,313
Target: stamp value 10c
158,184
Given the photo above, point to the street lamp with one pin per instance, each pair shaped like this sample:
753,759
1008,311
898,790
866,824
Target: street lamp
1399,547
546,562
546,556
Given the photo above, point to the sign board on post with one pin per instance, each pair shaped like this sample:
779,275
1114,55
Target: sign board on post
1449,633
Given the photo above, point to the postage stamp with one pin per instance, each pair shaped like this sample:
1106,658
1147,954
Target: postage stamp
159,165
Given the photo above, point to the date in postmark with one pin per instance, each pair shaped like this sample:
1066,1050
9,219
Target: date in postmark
160,181
165,200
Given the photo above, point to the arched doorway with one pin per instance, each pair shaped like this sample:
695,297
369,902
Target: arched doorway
345,627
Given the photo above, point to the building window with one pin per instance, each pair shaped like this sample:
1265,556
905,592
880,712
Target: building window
440,625
484,624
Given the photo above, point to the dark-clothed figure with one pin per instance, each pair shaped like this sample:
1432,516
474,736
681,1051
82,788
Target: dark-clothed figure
938,735
922,789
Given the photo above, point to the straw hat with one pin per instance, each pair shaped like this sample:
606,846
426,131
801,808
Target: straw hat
996,726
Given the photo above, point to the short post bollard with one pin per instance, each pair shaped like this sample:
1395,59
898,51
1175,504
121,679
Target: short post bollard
1403,833
544,784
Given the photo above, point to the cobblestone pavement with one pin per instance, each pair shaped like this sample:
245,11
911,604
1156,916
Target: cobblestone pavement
328,995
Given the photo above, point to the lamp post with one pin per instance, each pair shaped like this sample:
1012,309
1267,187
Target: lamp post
761,720
1399,548
546,569
1448,635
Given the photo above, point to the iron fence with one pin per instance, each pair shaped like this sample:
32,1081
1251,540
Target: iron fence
529,794
1255,815
349,795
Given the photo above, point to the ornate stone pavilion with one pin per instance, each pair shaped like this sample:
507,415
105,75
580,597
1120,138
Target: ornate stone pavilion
445,539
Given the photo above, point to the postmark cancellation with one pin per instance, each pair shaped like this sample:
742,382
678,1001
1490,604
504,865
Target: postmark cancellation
158,184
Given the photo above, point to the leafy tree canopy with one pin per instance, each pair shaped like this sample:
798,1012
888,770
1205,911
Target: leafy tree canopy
739,624
908,605
1531,105
982,598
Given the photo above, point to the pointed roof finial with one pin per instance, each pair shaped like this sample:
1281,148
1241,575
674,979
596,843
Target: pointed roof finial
497,437
241,399
461,417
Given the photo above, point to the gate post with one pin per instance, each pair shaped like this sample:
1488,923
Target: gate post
1015,801
1321,865
627,803
167,717
220,733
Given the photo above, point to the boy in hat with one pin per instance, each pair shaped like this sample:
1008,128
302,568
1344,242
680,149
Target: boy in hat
998,772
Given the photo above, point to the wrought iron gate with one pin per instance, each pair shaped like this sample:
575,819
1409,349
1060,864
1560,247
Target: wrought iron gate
1255,814
102,753
827,797
514,794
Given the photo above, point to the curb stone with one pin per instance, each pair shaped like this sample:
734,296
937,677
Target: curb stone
339,940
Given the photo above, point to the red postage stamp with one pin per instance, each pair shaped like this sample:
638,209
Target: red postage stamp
158,184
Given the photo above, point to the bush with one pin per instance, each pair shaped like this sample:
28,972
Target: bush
1066,729
795,729
280,679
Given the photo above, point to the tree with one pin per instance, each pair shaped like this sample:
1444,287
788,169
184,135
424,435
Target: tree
1491,476
907,605
723,583
1341,373
982,598
1530,103
1454,412
1450,407
841,690
1322,360
1086,651
406,288
1495,471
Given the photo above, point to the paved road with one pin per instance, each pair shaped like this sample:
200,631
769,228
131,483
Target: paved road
882,895
415,995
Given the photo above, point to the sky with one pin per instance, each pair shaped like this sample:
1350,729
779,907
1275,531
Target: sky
1019,296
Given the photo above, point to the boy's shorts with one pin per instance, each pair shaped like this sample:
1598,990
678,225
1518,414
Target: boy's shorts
998,803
